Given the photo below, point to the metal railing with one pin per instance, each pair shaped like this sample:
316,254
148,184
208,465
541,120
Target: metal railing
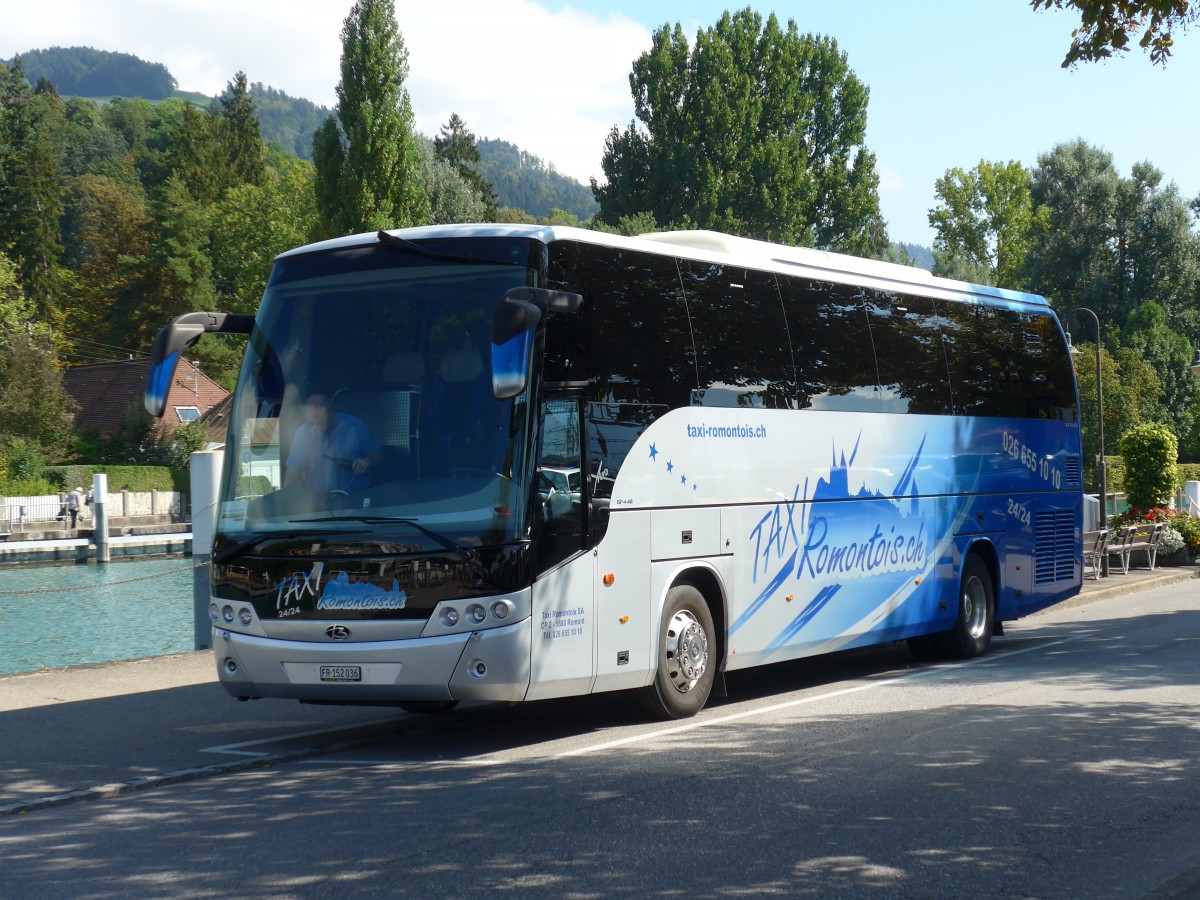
22,511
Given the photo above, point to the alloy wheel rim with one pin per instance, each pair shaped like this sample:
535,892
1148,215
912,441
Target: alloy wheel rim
686,651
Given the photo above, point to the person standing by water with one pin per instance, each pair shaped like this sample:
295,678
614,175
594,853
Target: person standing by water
74,502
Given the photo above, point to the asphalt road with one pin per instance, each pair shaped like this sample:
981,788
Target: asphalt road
1064,764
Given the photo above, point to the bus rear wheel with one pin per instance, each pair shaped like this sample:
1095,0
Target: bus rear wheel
972,632
687,665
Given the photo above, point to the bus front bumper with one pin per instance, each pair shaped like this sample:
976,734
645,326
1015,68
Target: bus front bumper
481,665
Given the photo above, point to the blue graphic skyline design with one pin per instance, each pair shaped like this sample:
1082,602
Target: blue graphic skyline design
878,539
342,593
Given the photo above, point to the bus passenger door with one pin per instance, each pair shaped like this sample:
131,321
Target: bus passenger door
563,653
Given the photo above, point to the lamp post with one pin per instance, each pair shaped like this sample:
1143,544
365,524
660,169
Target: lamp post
1100,469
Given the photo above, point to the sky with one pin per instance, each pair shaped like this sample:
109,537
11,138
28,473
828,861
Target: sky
952,82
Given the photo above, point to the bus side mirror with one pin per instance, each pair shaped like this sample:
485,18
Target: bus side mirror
513,326
177,337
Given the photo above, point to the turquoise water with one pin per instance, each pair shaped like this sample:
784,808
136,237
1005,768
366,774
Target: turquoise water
94,613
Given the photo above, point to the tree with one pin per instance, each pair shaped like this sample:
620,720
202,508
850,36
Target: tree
755,130
176,276
984,220
33,405
110,232
1114,245
1107,25
1149,337
452,198
1131,396
241,136
31,125
252,224
456,145
366,156
1075,190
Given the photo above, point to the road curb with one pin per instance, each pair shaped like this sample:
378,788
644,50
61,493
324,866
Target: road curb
1120,587
116,789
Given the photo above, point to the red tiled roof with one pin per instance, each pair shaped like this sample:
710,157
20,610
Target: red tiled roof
106,391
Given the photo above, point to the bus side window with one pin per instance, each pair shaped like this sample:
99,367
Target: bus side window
906,333
982,368
743,355
835,360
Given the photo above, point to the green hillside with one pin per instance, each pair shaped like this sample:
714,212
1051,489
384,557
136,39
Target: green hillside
521,180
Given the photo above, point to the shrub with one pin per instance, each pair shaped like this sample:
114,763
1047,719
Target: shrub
1150,452
254,485
1170,541
1189,529
22,473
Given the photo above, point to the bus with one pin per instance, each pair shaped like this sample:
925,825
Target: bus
583,462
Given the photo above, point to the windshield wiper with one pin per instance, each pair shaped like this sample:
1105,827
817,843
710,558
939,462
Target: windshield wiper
398,243
468,553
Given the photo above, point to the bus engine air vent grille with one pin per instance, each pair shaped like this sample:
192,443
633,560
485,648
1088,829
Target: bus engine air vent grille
1073,470
1054,546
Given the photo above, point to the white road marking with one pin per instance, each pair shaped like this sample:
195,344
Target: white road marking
501,757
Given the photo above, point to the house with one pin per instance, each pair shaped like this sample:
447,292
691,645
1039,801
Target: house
107,392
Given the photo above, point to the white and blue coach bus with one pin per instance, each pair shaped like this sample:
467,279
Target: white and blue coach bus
598,463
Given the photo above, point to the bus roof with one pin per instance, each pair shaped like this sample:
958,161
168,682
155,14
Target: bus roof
711,246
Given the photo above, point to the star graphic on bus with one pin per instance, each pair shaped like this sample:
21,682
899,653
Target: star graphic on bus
670,466
653,451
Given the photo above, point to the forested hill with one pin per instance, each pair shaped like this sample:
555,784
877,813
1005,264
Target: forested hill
523,181
287,121
86,72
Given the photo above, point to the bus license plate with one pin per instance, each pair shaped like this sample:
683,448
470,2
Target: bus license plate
341,673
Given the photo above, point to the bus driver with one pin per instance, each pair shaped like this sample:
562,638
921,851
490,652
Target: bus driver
331,451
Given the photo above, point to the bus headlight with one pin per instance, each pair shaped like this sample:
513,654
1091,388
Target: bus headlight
244,615
449,616
476,613
227,613
501,609
213,612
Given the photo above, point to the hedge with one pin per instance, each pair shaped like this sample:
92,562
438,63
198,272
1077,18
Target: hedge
1115,473
122,478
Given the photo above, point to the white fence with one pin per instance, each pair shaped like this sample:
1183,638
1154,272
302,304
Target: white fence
121,504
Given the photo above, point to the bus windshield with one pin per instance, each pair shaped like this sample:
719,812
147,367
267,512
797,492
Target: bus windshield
365,399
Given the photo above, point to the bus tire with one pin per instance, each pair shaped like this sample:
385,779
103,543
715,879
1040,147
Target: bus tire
687,663
972,632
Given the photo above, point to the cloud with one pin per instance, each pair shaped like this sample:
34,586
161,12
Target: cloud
293,46
553,83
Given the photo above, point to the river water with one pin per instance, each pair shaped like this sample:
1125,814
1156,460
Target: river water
56,616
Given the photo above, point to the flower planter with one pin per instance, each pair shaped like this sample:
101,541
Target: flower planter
1180,557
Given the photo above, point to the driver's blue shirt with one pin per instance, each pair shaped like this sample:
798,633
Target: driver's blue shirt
325,458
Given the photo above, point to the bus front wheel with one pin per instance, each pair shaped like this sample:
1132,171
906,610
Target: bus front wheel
687,664
972,633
